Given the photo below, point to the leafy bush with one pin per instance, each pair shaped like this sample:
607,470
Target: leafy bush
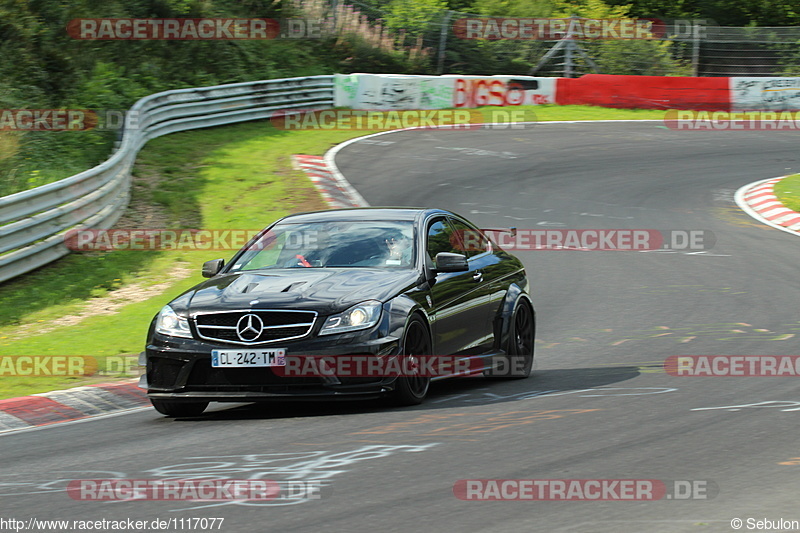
42,67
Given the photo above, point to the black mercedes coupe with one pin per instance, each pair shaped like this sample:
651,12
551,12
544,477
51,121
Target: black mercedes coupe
376,283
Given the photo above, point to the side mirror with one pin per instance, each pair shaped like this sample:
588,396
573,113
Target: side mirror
212,268
450,262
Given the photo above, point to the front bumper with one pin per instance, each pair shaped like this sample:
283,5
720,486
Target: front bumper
179,369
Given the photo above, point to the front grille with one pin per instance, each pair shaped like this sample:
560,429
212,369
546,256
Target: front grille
235,327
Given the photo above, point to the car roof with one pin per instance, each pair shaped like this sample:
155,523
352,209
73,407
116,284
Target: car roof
363,213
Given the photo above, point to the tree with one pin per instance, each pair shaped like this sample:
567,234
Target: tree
413,16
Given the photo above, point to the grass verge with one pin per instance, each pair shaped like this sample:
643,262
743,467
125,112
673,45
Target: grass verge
788,192
550,112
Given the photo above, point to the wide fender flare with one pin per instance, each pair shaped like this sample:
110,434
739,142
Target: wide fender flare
514,296
398,312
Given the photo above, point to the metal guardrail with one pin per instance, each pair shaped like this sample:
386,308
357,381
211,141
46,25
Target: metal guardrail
33,223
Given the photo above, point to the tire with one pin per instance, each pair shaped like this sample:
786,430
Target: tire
411,390
518,362
179,409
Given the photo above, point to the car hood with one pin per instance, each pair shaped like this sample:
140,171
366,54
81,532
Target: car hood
325,290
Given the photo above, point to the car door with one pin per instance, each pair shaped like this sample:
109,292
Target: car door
482,258
459,310
483,264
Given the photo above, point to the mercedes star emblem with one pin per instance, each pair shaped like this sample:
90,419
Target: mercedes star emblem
249,327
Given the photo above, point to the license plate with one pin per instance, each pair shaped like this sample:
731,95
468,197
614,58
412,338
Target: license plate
248,358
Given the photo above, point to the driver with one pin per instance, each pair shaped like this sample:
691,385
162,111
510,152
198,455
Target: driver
400,250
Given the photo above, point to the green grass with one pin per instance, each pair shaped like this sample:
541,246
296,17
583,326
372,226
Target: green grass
41,157
586,112
229,177
788,192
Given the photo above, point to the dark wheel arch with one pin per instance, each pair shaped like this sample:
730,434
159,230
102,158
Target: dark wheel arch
517,363
417,340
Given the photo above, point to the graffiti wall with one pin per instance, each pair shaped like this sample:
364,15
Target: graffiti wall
387,91
476,91
775,94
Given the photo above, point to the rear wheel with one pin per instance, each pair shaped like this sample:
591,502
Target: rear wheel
518,362
179,409
412,389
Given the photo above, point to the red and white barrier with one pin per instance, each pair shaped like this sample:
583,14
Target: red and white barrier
392,91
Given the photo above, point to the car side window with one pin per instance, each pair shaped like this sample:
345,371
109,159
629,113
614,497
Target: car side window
470,240
440,239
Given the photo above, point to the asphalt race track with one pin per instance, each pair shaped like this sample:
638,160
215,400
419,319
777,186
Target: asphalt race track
599,405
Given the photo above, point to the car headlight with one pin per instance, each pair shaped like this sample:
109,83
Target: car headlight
360,316
169,323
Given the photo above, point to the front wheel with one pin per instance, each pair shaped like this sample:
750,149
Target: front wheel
412,389
179,409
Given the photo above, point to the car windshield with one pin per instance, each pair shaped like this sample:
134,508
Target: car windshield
348,244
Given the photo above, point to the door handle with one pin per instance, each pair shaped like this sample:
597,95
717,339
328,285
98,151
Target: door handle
477,276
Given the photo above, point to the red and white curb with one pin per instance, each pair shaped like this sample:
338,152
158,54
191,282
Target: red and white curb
759,201
71,404
332,185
